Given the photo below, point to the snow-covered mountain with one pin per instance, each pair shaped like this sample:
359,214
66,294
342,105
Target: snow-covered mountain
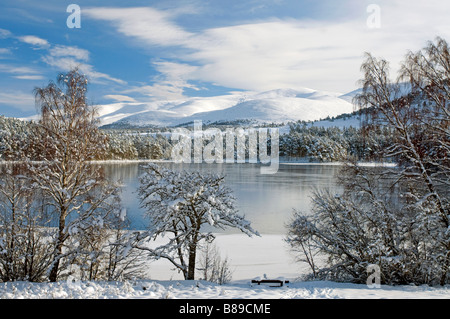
277,106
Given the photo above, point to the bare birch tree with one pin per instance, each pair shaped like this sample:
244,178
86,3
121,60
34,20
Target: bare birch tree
66,140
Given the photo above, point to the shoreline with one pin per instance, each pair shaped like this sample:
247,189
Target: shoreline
291,163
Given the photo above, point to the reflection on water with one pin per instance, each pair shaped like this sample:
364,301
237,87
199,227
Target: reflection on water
266,201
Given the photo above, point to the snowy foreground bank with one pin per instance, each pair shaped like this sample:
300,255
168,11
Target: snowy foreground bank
257,256
150,289
262,256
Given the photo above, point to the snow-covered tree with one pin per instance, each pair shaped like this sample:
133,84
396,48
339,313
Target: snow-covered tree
65,141
24,252
396,218
98,252
181,205
420,121
212,267
129,144
120,146
14,135
121,261
369,223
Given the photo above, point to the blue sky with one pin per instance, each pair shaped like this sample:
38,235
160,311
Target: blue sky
138,51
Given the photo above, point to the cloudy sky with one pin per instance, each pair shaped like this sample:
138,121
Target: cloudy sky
172,49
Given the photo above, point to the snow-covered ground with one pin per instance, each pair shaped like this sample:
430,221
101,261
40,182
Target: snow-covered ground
180,289
249,257
167,284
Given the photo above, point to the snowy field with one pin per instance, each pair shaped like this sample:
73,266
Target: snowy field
165,283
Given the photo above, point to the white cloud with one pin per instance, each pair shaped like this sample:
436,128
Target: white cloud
171,82
66,58
29,77
19,99
34,40
119,98
174,70
160,91
5,51
148,24
5,33
279,53
62,57
21,72
17,69
69,51
99,76
61,63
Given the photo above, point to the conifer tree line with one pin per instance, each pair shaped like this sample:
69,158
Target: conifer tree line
313,143
334,144
119,144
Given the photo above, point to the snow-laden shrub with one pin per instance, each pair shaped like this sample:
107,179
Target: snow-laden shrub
366,225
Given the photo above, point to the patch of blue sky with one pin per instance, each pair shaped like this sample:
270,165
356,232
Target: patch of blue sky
170,49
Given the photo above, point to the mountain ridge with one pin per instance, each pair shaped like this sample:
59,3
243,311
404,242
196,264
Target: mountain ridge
273,106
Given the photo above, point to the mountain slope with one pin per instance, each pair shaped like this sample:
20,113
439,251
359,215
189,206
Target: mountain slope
275,106
277,110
